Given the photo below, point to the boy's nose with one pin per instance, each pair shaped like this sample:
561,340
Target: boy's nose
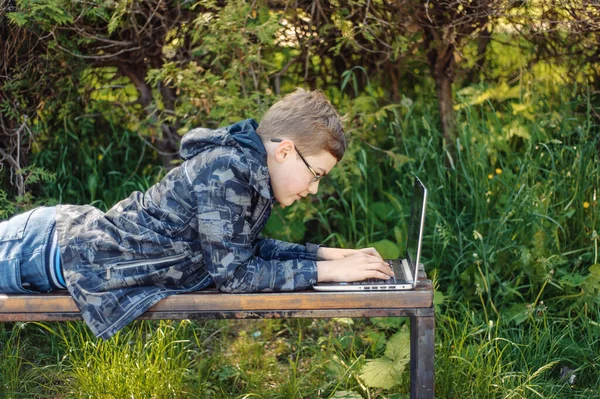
313,187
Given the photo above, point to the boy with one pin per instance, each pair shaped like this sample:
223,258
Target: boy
200,225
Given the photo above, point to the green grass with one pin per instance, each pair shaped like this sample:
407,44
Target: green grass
150,361
296,359
498,361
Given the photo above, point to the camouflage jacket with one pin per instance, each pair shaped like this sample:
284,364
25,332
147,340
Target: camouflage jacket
200,225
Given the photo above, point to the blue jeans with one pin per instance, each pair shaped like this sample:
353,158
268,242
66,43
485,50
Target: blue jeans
25,248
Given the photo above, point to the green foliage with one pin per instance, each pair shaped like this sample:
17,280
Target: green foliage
227,81
385,372
33,176
96,90
49,13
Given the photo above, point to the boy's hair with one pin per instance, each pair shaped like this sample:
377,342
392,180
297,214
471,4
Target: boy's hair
309,120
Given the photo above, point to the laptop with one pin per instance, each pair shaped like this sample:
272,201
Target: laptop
405,269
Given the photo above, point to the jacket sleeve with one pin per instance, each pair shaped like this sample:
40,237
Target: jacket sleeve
270,248
224,202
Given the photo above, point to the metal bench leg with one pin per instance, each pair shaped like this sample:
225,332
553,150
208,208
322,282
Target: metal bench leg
422,349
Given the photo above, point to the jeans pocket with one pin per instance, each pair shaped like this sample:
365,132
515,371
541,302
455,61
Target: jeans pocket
14,228
10,277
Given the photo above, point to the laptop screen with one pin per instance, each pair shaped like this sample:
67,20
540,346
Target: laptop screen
415,226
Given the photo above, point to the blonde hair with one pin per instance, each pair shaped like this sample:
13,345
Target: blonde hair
309,120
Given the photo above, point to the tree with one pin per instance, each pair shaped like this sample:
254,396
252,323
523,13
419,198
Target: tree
161,67
447,26
385,37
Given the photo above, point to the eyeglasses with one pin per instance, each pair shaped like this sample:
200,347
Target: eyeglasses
317,176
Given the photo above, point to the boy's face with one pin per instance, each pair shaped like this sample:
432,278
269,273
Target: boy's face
291,177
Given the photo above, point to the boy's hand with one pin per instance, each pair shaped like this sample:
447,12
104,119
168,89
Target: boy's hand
325,253
359,266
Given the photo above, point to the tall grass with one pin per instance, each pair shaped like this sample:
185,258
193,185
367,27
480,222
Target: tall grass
513,211
96,163
301,358
148,361
496,361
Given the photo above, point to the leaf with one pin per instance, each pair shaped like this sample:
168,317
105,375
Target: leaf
379,373
50,13
572,279
346,395
595,270
335,369
265,36
394,201
438,299
525,259
92,186
389,322
344,320
375,339
385,372
387,249
117,16
382,210
399,236
569,214
592,281
398,159
398,348
517,313
17,18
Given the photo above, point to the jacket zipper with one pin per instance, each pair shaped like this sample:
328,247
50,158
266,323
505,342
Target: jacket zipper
143,262
259,220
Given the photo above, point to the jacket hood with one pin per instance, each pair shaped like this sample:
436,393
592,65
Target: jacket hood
241,135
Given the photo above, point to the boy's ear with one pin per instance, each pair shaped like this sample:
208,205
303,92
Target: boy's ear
283,151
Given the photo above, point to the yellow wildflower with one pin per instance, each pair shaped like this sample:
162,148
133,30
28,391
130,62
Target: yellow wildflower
490,176
586,205
100,157
498,171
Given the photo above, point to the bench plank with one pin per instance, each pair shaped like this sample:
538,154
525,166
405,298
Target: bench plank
214,301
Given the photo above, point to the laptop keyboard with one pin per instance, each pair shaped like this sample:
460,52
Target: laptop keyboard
376,281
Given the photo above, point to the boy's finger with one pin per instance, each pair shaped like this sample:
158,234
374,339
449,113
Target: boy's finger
391,270
380,275
373,251
385,268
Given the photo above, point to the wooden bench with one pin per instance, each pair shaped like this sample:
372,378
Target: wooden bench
211,304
